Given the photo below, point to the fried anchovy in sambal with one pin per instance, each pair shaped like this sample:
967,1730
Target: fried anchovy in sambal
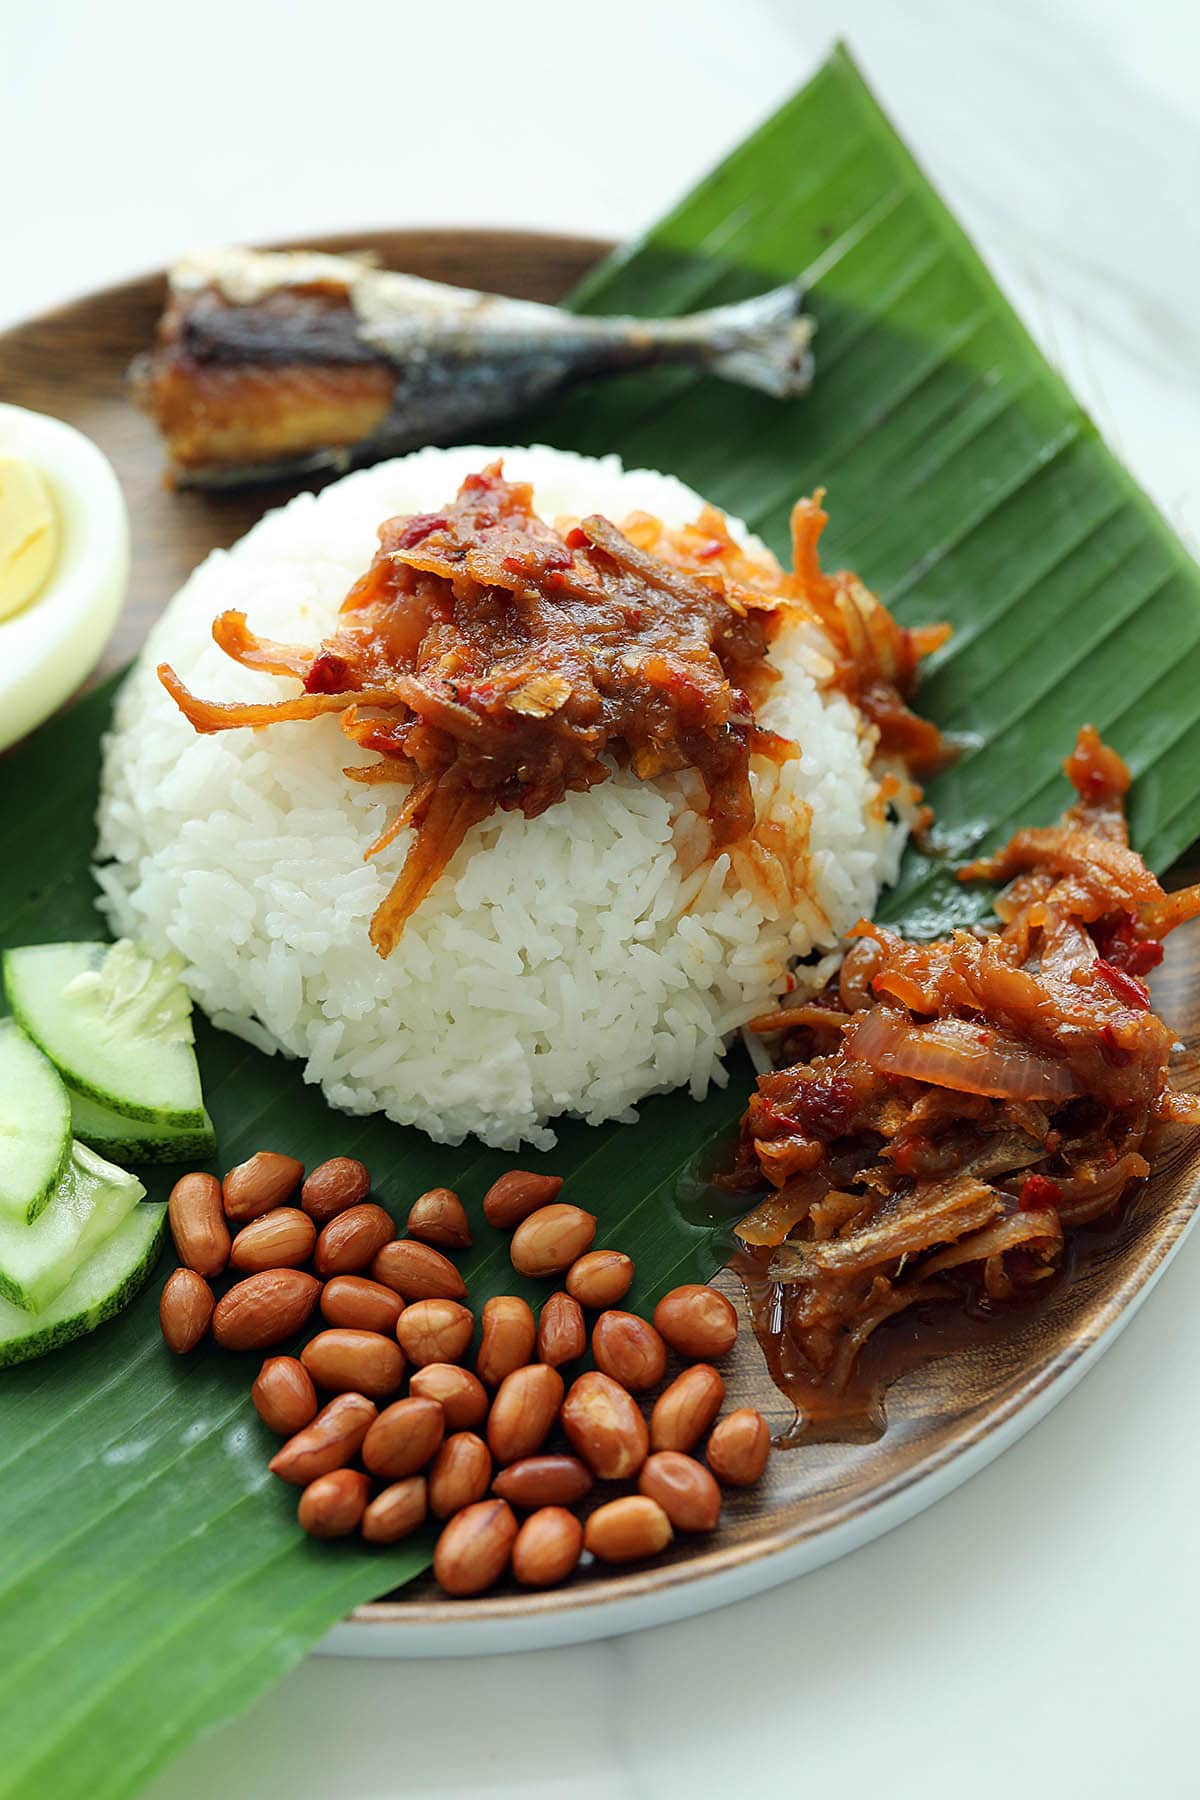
950,1110
493,662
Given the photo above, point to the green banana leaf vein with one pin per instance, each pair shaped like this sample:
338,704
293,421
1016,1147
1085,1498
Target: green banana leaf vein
152,1579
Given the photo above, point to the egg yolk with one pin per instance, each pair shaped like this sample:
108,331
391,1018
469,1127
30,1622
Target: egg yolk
29,533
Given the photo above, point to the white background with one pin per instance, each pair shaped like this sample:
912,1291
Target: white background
1036,1632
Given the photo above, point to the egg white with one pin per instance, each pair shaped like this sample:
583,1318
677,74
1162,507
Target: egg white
54,642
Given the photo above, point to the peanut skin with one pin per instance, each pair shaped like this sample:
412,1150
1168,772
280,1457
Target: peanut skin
333,1186
561,1332
697,1321
332,1505
462,1396
264,1180
264,1309
600,1278
684,1411
405,1436
333,1438
350,1240
523,1412
547,1547
506,1339
459,1474
516,1195
538,1481
358,1362
739,1447
627,1530
683,1488
417,1271
473,1550
280,1239
435,1331
185,1310
629,1349
551,1239
198,1226
361,1304
284,1396
440,1218
396,1512
605,1426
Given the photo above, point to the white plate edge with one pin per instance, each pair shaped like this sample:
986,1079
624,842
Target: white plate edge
687,1599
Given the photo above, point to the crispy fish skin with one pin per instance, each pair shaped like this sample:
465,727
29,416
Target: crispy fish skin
275,364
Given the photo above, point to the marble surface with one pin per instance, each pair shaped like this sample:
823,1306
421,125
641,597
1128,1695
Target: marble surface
1035,1631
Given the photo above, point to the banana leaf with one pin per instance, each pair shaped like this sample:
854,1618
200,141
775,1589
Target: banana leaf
152,1578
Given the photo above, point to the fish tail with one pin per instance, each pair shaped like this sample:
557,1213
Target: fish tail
762,343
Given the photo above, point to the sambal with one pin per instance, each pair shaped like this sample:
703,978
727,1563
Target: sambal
494,662
948,1112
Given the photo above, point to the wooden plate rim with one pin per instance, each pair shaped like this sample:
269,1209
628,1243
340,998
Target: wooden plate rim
1160,1236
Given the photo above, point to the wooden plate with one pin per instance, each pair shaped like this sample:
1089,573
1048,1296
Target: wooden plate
947,1417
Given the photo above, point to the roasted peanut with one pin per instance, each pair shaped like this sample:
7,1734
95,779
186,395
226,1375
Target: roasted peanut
404,1437
284,1396
354,1362
543,1481
198,1223
473,1550
551,1239
185,1310
600,1278
332,1505
683,1488
417,1272
506,1338
361,1304
438,1217
348,1242
462,1396
396,1512
333,1186
280,1239
684,1411
264,1180
697,1321
626,1530
516,1195
547,1547
629,1350
459,1474
264,1309
335,1435
606,1426
739,1447
435,1331
525,1407
561,1332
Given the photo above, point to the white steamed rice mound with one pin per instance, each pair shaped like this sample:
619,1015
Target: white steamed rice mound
572,963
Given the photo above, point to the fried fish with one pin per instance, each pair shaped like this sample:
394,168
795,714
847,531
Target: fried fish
271,365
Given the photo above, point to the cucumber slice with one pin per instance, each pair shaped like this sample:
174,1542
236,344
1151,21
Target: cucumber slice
117,1024
91,1199
35,1126
106,1283
123,1140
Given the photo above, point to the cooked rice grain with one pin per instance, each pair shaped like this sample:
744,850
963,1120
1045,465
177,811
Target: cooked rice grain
572,963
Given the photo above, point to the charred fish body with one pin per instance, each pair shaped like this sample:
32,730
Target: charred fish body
276,364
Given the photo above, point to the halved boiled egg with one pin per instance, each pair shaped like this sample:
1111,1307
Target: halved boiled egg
64,564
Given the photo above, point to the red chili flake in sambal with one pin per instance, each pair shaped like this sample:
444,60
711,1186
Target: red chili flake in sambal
996,1091
493,663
